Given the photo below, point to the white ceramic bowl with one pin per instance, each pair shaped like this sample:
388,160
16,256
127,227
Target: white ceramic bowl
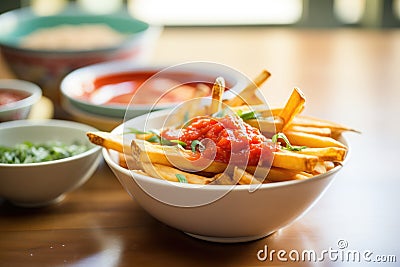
20,109
39,184
83,80
217,212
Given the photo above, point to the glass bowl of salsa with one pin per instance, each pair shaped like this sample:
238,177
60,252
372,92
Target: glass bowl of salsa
118,90
17,98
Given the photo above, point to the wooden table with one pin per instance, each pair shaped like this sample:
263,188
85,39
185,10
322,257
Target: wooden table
348,75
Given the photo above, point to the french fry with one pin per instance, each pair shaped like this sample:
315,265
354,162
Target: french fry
248,95
216,93
311,130
320,168
270,125
144,151
243,177
294,161
174,156
329,165
312,140
222,179
293,106
170,174
144,136
109,141
122,160
277,174
325,153
126,161
319,123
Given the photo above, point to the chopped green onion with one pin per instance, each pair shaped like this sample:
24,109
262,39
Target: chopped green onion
155,131
288,145
179,142
28,152
248,115
181,178
197,143
154,139
136,131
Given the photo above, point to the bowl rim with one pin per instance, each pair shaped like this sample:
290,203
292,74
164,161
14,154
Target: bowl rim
72,10
145,178
75,78
35,93
50,123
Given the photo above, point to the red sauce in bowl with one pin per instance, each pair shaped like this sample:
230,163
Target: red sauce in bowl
234,140
166,88
8,96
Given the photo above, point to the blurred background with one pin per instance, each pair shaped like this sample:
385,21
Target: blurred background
293,13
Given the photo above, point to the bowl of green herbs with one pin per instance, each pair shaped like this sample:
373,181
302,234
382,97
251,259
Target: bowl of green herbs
41,161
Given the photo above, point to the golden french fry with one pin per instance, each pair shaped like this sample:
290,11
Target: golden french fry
312,140
222,179
126,161
216,93
267,125
329,165
248,95
277,174
144,151
319,123
144,136
122,160
325,153
293,106
170,174
243,177
311,130
108,140
320,168
294,161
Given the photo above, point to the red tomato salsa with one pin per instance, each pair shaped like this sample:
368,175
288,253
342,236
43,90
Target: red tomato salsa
234,140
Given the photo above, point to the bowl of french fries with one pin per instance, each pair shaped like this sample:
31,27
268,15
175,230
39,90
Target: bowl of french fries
226,170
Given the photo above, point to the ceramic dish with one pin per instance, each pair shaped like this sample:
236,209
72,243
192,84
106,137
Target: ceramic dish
25,94
45,183
46,67
78,86
217,212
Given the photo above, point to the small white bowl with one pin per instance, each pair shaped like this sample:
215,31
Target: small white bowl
20,109
217,213
40,184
